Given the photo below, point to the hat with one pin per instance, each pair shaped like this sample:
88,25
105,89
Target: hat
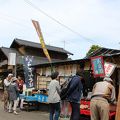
108,79
10,75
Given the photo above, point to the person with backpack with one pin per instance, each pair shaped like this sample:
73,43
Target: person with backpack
74,95
54,96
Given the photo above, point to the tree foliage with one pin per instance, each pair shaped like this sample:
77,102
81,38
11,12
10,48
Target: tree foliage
92,49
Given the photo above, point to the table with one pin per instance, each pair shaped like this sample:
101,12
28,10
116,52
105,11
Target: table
33,101
87,111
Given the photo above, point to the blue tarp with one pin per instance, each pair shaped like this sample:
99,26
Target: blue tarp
36,97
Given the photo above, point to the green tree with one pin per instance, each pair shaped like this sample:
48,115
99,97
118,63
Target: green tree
92,49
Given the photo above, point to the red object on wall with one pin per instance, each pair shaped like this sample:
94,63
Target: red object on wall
98,66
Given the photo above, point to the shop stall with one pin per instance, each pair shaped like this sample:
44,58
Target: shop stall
69,67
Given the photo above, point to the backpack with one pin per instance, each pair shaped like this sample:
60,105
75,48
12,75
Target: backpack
64,88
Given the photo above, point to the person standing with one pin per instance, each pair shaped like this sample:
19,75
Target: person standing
103,93
7,82
20,84
74,95
13,92
54,96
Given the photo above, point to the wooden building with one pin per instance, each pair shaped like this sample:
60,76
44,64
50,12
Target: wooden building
24,48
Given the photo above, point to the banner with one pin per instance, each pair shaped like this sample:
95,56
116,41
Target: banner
38,30
109,68
98,66
28,71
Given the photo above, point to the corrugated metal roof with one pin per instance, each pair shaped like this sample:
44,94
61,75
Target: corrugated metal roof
103,52
38,45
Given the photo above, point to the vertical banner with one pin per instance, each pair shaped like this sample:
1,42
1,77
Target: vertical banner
98,66
38,30
28,71
12,59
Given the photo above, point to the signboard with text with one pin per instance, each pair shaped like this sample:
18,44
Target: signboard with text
28,71
109,68
98,66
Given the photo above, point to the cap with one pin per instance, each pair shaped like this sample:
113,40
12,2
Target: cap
10,75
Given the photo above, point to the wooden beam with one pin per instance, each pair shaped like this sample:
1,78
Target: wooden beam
22,50
118,107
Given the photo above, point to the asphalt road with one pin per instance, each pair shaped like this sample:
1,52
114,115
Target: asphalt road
23,115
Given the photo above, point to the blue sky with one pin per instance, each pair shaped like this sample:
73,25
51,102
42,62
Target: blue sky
97,20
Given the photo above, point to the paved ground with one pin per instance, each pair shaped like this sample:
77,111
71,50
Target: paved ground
23,115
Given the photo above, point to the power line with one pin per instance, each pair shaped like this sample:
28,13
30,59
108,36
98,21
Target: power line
13,20
63,25
16,21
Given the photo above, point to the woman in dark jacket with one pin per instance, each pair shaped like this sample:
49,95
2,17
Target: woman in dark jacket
74,95
13,93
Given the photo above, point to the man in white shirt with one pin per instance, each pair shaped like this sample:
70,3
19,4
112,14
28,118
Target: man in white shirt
54,96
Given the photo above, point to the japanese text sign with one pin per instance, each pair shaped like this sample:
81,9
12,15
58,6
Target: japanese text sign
98,66
109,68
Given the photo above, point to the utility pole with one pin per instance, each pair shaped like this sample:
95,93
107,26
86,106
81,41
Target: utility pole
118,107
64,42
119,45
117,117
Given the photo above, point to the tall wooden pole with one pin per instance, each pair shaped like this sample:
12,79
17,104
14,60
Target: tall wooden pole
118,107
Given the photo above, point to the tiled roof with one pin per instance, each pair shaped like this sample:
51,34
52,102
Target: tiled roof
38,45
6,51
36,59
